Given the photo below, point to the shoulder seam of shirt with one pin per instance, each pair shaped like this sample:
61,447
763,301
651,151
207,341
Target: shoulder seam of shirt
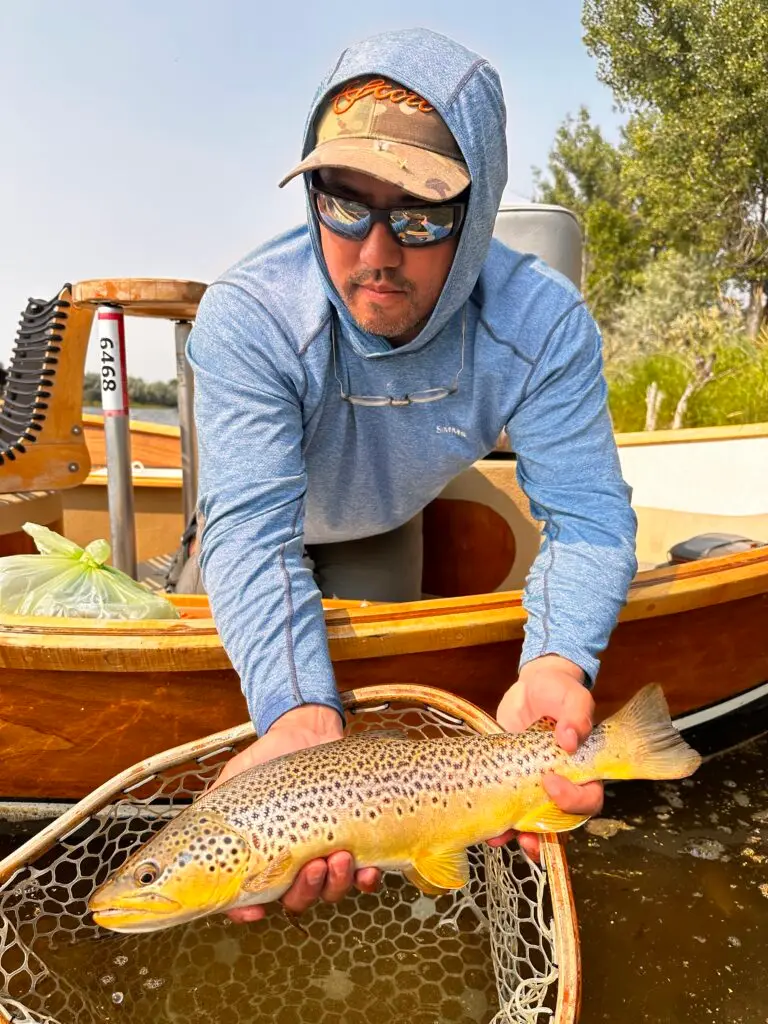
315,336
494,335
524,258
563,316
288,597
480,62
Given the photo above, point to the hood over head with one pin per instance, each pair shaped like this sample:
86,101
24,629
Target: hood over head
465,90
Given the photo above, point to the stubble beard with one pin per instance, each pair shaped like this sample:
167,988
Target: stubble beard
376,319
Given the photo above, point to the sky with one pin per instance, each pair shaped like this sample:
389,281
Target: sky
146,139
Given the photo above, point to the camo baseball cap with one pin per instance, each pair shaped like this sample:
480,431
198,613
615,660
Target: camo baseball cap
384,129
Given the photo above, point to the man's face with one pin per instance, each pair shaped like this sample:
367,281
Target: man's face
388,289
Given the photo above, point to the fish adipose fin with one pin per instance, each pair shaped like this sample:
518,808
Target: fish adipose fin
642,743
444,870
547,817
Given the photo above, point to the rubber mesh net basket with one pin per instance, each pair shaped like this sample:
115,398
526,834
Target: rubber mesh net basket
504,949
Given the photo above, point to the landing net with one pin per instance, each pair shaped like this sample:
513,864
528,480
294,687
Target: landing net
503,949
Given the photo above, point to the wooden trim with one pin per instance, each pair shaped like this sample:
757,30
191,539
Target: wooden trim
567,944
173,483
688,435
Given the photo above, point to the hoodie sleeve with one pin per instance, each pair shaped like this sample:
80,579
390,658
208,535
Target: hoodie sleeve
568,466
252,482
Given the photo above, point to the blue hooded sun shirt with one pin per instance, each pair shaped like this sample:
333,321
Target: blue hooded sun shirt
284,461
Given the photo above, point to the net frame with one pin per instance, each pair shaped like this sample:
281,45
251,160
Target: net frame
519,1003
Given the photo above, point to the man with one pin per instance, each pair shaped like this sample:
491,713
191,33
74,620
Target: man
326,364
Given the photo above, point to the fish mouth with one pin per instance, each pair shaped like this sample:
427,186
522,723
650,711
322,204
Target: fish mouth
137,914
137,918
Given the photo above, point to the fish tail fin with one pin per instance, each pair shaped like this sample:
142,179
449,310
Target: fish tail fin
641,742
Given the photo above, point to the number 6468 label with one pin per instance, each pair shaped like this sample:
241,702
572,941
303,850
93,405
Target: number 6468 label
114,381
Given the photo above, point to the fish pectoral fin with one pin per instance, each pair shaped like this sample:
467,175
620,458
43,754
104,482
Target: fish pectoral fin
417,879
448,869
547,817
269,875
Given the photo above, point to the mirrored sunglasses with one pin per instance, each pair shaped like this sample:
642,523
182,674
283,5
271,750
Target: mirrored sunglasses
411,226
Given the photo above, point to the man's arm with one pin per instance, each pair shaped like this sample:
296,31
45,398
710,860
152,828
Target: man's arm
266,604
568,467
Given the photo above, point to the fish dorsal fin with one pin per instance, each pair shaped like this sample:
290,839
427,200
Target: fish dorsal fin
448,869
547,817
417,879
274,871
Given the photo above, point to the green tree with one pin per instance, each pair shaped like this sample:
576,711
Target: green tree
694,76
584,174
140,392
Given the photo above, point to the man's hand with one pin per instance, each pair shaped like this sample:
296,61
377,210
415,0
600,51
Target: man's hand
328,879
552,687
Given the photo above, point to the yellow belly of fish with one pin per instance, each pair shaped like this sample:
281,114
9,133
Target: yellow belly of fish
422,842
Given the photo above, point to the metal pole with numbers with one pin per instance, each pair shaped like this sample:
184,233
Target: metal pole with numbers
186,400
114,402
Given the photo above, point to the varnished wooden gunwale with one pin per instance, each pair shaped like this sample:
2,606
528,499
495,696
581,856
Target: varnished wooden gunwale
66,729
367,631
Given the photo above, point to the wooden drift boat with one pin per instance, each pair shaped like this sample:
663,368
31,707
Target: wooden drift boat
83,700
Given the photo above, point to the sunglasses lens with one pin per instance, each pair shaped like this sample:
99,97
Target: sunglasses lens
415,226
352,220
411,225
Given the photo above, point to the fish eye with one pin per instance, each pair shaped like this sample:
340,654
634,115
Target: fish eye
146,873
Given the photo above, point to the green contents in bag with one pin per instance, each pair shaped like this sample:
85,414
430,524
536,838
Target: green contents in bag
73,582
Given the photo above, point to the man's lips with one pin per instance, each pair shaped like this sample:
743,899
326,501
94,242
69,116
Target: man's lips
381,292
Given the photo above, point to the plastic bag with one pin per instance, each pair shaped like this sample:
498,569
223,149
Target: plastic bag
70,581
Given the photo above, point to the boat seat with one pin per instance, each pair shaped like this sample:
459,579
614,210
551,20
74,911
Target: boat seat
164,298
41,507
550,232
42,445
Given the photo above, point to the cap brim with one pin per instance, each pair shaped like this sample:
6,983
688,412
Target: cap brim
424,174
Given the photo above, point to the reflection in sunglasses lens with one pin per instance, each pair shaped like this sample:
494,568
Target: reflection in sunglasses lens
411,225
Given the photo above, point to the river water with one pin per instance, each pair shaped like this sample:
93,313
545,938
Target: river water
151,413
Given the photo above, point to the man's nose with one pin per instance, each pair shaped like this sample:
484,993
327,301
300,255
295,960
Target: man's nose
379,251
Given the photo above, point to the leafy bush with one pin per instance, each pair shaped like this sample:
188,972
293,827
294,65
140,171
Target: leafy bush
738,392
140,392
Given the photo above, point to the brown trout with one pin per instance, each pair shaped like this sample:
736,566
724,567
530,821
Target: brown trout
397,804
